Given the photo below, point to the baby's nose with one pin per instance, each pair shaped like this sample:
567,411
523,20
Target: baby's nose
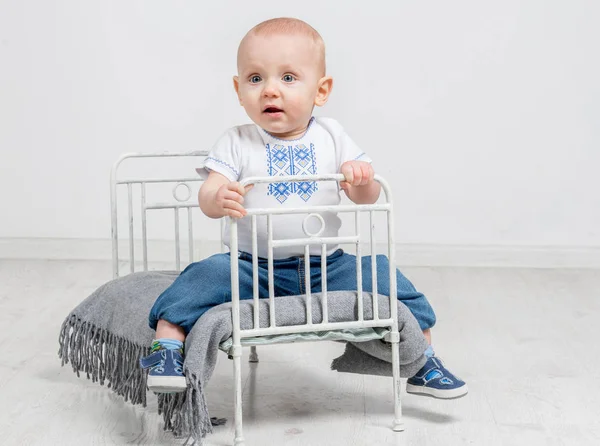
270,90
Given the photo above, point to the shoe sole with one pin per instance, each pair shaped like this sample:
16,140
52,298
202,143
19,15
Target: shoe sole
167,384
437,393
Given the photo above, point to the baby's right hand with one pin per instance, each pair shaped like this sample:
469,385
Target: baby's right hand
230,197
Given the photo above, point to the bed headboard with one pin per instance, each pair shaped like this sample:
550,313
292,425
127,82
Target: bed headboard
153,184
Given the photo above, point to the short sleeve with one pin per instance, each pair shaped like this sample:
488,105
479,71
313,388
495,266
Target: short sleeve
345,148
224,157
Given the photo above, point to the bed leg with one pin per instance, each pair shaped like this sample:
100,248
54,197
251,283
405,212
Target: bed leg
253,354
398,425
237,378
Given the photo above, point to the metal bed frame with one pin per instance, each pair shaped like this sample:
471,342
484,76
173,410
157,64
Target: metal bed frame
240,335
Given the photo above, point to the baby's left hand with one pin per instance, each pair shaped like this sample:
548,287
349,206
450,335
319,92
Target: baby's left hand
356,173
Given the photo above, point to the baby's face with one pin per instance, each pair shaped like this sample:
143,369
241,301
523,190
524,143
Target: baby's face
277,82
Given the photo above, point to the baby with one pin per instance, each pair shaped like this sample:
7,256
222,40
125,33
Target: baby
281,77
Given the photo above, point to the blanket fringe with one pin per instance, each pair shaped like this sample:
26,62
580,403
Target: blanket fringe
104,358
186,413
110,359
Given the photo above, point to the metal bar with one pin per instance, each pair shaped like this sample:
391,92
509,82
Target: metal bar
359,279
294,178
190,236
223,246
307,285
374,267
177,247
235,282
171,205
270,270
255,273
314,241
392,259
130,215
164,154
324,283
114,229
314,328
144,227
332,177
338,209
159,180
237,378
398,424
235,315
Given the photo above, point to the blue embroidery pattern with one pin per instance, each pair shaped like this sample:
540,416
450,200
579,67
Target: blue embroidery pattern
229,166
291,160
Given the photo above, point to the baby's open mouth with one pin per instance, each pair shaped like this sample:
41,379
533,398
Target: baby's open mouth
272,110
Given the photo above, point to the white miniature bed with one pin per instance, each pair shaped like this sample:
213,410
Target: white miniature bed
131,206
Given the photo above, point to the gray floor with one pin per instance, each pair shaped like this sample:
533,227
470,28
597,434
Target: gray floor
524,339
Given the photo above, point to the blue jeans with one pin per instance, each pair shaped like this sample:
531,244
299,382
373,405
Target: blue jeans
205,284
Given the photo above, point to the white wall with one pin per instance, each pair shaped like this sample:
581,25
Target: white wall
484,115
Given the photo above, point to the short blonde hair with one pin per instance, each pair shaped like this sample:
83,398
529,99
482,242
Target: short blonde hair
288,25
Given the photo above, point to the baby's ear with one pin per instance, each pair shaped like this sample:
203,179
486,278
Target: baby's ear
324,88
236,87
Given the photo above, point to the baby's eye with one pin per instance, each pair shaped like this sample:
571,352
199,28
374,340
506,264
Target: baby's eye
255,79
288,78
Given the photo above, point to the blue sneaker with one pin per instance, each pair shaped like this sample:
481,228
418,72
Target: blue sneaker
436,380
166,371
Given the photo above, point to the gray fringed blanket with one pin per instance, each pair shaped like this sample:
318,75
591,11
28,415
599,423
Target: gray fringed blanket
107,333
